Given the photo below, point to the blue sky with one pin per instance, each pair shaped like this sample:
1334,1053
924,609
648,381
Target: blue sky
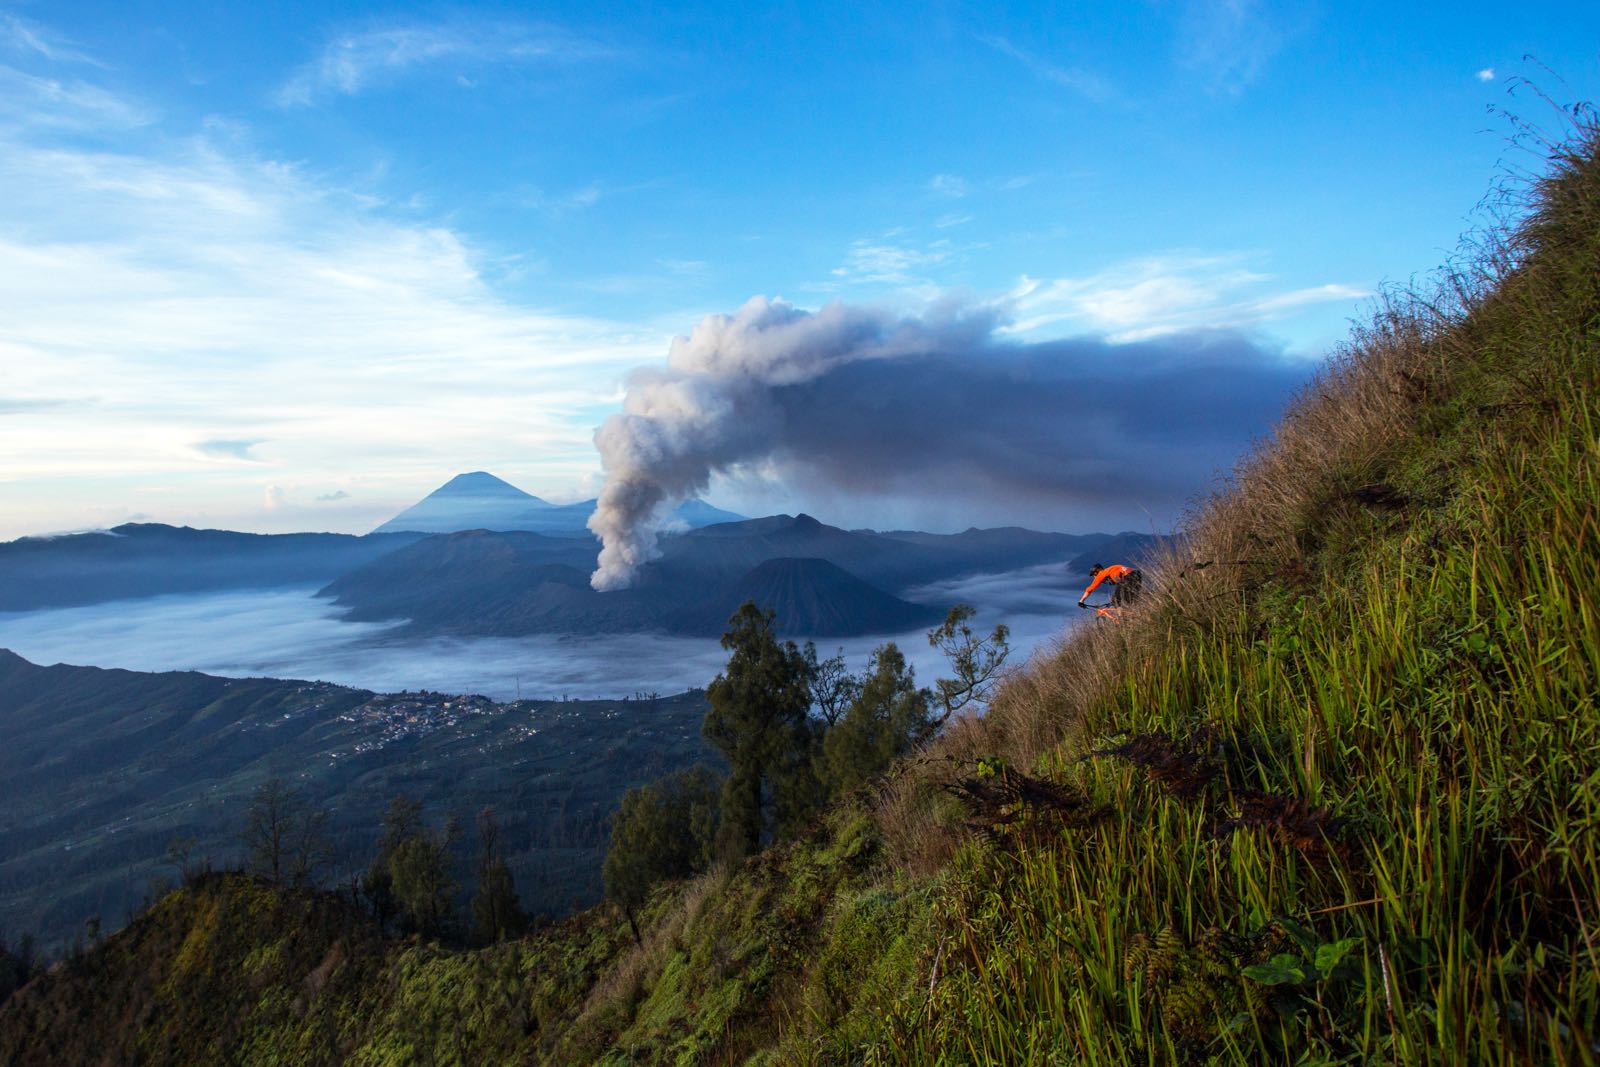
290,266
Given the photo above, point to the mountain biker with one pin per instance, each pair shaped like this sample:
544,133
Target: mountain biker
1127,582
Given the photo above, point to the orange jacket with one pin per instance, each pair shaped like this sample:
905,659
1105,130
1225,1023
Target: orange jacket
1113,574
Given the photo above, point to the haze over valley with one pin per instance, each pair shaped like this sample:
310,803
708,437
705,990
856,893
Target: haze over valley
457,654
489,606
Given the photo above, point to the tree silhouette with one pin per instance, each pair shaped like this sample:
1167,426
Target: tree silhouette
663,830
975,660
284,838
759,722
401,822
887,718
832,685
496,912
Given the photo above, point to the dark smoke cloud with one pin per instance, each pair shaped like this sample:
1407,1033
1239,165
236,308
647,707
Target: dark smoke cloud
861,401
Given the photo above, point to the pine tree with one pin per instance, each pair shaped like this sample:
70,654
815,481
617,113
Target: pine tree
887,718
496,912
401,821
759,722
420,879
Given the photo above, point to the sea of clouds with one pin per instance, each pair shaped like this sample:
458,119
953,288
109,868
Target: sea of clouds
289,633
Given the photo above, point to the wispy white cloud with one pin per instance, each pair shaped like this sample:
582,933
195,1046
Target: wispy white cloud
354,61
39,102
1157,295
19,35
1083,82
235,291
31,405
888,262
1268,307
556,205
1228,43
685,268
1485,75
959,187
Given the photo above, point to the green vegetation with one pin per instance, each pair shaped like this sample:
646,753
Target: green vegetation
664,830
1328,795
496,910
418,875
1334,798
121,784
785,763
885,720
760,722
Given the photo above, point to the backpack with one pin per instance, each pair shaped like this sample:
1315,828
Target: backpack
1129,587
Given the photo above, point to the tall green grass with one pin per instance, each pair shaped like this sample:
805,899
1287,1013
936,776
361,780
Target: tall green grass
1387,850
1331,795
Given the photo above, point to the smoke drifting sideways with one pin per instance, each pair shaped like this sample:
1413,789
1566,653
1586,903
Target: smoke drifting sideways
859,400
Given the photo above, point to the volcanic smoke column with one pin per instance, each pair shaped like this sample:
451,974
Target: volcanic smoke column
717,403
649,466
859,400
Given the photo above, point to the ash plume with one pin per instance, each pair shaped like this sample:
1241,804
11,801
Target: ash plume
859,400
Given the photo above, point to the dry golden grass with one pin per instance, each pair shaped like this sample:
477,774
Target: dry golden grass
1329,443
1320,467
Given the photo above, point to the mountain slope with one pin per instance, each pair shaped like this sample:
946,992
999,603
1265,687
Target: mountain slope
1326,796
477,500
481,582
1329,796
229,969
459,580
484,583
817,599
105,768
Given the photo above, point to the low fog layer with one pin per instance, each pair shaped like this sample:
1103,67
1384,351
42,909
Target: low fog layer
860,401
291,634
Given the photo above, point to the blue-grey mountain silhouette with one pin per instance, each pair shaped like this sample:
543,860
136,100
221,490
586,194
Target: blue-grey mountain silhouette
480,501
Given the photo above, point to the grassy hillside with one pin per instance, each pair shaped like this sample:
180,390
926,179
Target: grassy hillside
1328,796
1332,797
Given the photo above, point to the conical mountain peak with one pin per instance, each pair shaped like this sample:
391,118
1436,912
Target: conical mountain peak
481,484
477,500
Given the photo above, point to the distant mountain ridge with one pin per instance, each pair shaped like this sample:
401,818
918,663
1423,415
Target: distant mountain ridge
821,581
151,559
820,599
507,583
480,501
